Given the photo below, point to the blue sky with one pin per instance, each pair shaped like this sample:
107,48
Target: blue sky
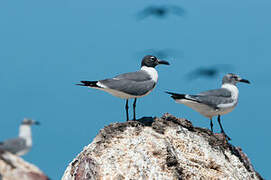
48,46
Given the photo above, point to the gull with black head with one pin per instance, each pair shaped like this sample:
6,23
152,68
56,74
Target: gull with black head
22,144
131,85
215,102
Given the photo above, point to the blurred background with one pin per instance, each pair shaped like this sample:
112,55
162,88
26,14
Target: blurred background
46,47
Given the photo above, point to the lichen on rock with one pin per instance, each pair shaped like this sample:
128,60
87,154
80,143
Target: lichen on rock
159,148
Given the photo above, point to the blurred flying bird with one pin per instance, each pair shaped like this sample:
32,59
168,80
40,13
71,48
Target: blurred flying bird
209,72
22,144
131,85
162,53
215,102
160,11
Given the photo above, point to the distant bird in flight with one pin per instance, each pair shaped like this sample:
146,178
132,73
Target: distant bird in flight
208,72
162,53
160,11
215,102
22,144
131,85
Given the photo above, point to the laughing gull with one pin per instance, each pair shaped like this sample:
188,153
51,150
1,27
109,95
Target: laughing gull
131,85
214,102
22,144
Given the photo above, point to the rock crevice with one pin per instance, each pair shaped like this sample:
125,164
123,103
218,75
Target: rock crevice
13,167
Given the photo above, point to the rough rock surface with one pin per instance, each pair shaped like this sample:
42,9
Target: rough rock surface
13,167
159,148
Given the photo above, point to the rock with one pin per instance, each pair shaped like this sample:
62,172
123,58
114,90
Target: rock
159,148
13,167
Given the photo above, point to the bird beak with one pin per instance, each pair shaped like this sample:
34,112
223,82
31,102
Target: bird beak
37,123
163,62
244,81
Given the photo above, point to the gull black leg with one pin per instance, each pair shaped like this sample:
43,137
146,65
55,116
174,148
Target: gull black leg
134,106
222,130
127,107
211,124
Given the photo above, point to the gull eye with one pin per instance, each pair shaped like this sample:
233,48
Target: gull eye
152,58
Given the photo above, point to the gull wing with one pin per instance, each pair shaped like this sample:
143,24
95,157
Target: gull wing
135,83
212,98
222,92
138,76
13,145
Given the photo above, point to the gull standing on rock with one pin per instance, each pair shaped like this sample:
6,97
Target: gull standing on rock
131,85
22,144
215,102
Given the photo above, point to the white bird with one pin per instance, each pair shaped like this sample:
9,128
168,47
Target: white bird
131,85
215,102
22,144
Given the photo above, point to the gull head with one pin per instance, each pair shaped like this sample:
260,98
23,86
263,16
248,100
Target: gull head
30,122
231,78
152,61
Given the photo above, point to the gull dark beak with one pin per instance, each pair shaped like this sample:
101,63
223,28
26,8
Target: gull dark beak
244,81
163,62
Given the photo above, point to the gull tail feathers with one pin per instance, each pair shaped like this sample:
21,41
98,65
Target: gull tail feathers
89,83
177,96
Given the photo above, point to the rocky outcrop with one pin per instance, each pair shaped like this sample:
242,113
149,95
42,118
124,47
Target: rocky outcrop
159,148
13,167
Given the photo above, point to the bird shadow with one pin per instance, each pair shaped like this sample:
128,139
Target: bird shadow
146,120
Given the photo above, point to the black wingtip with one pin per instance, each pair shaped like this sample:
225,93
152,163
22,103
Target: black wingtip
169,92
175,95
88,83
83,83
